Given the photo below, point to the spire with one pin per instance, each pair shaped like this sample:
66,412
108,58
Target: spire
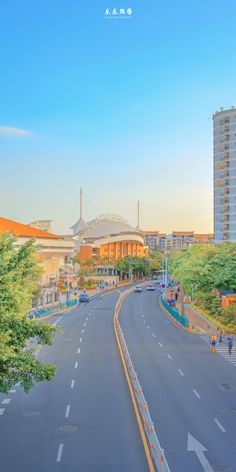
138,215
81,202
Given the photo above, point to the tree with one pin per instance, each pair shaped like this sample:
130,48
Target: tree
19,273
155,262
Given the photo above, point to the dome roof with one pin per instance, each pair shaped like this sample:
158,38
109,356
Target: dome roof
106,225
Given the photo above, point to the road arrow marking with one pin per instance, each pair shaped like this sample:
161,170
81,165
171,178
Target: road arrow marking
195,446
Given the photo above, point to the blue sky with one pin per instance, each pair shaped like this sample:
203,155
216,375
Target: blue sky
122,107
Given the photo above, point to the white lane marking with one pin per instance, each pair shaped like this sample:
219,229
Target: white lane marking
86,319
154,335
59,452
72,384
76,365
84,324
169,356
89,314
161,345
196,393
78,350
67,411
144,321
148,327
81,339
2,411
12,391
82,331
181,373
6,401
142,316
219,425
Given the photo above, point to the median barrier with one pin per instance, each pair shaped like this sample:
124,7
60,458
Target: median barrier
154,452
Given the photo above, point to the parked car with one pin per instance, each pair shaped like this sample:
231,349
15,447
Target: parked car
138,289
83,297
150,288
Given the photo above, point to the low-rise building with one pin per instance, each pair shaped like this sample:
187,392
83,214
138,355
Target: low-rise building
151,240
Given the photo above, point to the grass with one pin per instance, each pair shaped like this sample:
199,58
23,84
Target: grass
227,327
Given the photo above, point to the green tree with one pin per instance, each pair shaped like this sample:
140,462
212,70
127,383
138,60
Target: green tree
19,273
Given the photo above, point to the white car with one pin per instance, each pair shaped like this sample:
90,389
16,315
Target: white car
138,289
150,288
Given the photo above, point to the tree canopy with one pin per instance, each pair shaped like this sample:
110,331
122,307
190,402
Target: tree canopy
19,273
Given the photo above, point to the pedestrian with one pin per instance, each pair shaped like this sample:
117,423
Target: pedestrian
230,341
221,336
213,342
176,296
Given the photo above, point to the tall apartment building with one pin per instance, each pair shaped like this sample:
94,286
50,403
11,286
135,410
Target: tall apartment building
225,175
182,239
151,240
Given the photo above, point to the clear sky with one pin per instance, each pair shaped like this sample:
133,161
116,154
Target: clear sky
121,106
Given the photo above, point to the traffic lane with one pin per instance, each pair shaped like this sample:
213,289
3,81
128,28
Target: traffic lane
174,406
31,421
212,376
57,418
107,421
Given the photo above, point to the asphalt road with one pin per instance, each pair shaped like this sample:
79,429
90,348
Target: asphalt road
83,420
188,389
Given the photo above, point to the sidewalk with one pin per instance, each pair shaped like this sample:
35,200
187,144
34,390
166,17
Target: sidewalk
197,322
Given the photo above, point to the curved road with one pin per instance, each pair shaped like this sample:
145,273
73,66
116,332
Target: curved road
84,419
188,389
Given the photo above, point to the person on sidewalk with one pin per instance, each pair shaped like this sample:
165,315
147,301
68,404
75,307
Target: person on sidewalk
230,341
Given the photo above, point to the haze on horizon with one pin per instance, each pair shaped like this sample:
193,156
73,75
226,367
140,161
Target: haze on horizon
122,107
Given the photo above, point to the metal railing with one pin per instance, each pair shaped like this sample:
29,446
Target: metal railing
157,453
175,314
54,309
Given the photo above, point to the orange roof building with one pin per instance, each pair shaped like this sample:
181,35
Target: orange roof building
19,229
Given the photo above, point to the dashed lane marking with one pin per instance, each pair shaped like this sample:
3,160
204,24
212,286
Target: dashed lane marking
76,365
82,331
2,411
219,425
67,411
59,452
81,339
181,373
169,356
154,335
78,350
72,384
161,345
197,394
84,324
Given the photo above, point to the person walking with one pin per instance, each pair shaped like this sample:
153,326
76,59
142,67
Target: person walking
230,341
213,340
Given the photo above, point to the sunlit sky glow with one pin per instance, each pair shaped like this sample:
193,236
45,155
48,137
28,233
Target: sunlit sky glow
122,107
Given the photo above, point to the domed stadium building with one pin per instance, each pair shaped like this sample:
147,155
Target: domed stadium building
108,237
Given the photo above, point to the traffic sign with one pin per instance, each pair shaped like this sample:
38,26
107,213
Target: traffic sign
187,300
162,285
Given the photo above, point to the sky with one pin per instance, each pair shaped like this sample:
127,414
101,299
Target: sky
122,106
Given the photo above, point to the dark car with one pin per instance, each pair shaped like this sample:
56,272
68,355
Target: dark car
138,289
83,297
150,288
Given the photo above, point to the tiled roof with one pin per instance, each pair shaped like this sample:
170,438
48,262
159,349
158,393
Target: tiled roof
18,229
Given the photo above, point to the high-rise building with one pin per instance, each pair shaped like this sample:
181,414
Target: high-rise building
151,240
225,175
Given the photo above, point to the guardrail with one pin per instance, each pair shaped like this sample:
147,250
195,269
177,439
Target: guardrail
54,309
155,449
175,314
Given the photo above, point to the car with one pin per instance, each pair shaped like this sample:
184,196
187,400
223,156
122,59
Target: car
138,289
150,288
83,297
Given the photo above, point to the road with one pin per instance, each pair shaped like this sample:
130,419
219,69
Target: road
84,419
188,389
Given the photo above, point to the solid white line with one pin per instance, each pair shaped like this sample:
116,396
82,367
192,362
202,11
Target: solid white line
59,453
72,384
2,411
81,339
6,401
153,335
160,345
78,350
76,365
181,373
67,411
196,393
168,355
219,425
